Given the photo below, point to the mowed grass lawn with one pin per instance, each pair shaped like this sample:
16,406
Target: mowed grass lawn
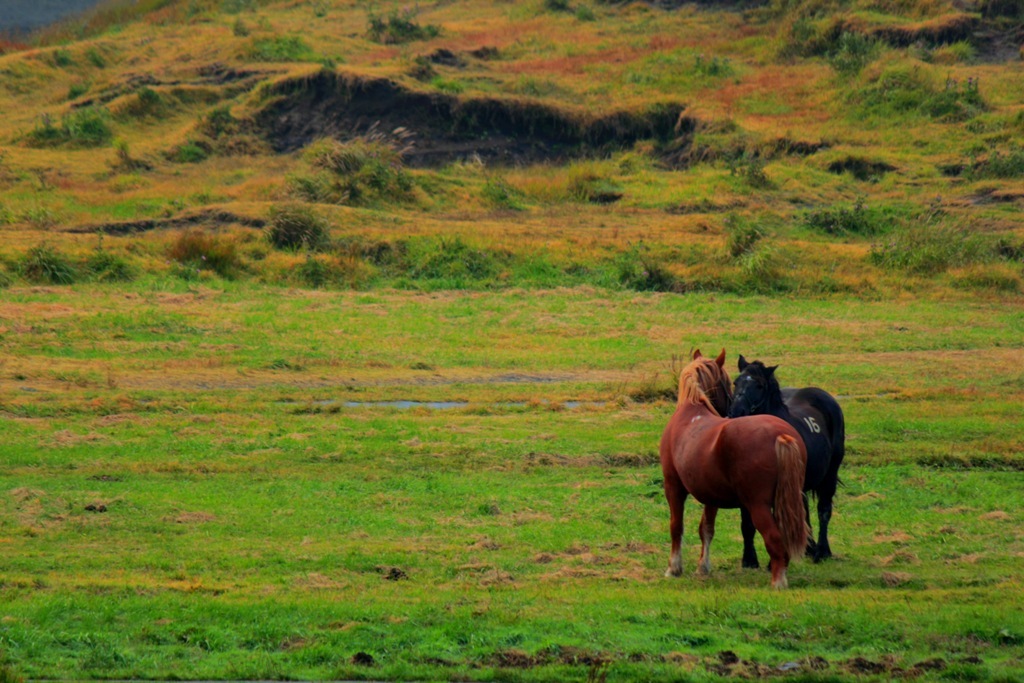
201,482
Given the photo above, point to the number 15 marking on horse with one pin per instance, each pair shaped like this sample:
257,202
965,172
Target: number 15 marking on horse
812,425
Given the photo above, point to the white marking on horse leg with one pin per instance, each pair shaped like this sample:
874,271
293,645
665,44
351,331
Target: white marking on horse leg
704,566
782,582
675,565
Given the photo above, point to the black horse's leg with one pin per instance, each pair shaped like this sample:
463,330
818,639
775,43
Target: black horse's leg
747,528
826,492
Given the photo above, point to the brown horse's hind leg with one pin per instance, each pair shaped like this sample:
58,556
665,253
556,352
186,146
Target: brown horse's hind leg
707,532
676,496
769,530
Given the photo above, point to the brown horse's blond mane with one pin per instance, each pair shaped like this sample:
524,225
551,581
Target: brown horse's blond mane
702,372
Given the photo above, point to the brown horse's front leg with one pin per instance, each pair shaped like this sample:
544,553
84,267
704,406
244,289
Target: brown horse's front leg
676,496
707,532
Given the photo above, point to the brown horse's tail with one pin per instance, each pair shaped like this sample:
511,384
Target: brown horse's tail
789,495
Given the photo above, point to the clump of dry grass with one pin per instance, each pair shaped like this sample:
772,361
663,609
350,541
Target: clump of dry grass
297,226
197,249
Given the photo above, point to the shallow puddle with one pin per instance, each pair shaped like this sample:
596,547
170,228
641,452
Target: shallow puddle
450,405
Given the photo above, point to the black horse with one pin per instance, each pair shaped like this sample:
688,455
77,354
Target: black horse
818,418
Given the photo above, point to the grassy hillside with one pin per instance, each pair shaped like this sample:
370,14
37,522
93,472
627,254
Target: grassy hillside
813,148
337,336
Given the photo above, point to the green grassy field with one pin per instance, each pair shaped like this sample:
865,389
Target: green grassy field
187,494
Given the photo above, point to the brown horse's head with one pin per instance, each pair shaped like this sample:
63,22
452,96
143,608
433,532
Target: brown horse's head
705,381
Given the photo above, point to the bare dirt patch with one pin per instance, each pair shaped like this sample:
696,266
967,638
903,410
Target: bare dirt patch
193,518
205,218
442,128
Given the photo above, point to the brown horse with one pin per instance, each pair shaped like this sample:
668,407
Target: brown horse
754,462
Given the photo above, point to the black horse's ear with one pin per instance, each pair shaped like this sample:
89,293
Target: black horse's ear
721,359
742,363
771,370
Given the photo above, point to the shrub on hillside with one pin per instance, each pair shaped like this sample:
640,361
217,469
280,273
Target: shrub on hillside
713,67
85,127
280,49
399,27
297,226
593,183
841,220
640,269
144,103
931,244
500,194
451,262
999,164
851,53
899,91
45,264
321,271
189,152
200,250
357,172
741,235
104,266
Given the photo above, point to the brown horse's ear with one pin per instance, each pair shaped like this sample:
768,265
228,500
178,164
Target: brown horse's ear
697,354
742,363
721,359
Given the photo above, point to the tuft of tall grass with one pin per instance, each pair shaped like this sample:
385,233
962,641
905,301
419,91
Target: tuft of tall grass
190,152
104,266
593,182
1008,163
46,264
763,270
85,127
640,269
196,249
932,244
742,235
749,167
501,194
713,67
297,226
145,103
910,90
400,26
451,263
851,53
358,172
346,269
998,277
280,49
7,675
854,220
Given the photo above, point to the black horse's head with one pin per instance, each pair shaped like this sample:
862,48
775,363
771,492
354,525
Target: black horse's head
756,389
